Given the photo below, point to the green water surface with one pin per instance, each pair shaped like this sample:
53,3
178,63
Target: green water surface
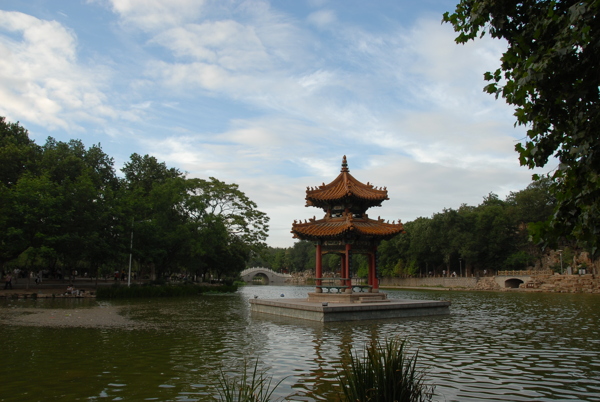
493,346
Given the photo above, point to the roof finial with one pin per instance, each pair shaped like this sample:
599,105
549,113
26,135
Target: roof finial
345,165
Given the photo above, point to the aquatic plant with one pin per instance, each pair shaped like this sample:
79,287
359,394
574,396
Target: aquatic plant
384,373
250,387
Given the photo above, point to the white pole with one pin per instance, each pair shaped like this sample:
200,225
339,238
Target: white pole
130,255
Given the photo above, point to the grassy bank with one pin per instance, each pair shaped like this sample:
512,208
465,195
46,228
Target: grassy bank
166,290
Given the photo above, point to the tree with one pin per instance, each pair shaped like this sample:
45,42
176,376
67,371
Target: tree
78,187
302,256
550,72
494,233
533,204
18,156
239,214
144,172
190,224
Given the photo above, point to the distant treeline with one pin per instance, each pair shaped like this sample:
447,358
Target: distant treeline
491,236
63,208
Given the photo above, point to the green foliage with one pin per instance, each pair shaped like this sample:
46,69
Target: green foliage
362,272
18,156
302,256
384,372
64,206
236,210
332,262
250,387
549,73
534,204
198,224
519,260
141,291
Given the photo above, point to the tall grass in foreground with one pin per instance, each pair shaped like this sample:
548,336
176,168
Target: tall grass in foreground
253,387
384,373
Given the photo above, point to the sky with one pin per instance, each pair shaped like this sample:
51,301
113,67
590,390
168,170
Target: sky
269,95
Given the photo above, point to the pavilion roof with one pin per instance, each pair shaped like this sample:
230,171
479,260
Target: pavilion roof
345,189
344,227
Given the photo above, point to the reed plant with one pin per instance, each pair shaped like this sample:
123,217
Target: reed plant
384,373
250,387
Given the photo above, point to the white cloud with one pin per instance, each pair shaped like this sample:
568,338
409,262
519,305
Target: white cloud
227,44
322,18
40,78
150,15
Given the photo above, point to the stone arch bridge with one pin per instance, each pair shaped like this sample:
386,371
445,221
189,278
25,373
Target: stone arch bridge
512,279
271,277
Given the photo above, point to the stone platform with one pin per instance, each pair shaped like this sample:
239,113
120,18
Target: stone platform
341,311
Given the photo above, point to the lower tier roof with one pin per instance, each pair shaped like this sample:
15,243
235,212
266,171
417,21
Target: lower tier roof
346,227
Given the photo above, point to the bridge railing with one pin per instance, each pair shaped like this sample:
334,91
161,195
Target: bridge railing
526,272
257,269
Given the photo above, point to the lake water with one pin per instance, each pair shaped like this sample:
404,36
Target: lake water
493,346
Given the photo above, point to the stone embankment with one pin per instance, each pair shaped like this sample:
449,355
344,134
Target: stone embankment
537,283
487,283
564,283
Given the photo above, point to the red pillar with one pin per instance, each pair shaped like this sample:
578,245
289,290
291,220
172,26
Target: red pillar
347,265
375,279
371,273
319,268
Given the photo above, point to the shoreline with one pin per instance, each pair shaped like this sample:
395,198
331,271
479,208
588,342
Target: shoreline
464,289
47,292
102,316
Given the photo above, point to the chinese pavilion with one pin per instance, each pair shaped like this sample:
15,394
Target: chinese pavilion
346,229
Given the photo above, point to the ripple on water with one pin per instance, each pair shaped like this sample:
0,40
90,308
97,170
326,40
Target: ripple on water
493,346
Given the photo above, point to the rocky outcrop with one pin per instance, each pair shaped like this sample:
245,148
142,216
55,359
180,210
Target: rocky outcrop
564,283
487,283
306,277
300,278
570,260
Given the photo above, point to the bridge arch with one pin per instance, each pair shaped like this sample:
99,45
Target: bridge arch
513,283
264,279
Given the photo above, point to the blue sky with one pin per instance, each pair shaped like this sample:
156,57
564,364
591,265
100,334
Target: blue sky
269,95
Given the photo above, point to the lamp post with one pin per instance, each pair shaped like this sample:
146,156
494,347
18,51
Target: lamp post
130,256
460,263
561,264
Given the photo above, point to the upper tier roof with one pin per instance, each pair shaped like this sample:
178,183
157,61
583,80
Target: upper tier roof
345,190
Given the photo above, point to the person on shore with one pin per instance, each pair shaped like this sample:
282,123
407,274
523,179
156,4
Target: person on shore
8,281
71,290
